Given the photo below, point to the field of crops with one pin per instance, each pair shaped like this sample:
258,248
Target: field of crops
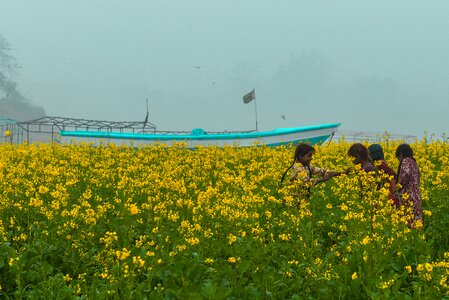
173,223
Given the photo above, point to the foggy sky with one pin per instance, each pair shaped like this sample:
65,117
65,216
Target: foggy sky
371,65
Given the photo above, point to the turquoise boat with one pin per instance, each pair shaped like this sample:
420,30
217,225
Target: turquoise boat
313,134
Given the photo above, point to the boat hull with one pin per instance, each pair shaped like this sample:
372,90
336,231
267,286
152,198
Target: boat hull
312,134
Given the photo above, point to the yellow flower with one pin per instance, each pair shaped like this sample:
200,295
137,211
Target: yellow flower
418,224
138,261
366,240
133,209
446,255
354,276
12,260
420,267
387,284
429,267
181,248
234,259
67,277
122,255
284,237
427,212
443,282
408,269
109,238
7,132
231,239
268,214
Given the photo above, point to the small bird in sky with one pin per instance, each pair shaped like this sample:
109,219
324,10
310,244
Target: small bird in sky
283,117
198,67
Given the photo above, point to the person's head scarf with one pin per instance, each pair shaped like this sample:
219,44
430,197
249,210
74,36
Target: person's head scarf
376,152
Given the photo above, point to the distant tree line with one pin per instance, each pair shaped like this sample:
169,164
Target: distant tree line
13,104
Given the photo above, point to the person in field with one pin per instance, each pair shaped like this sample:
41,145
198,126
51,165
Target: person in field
307,174
376,153
408,182
361,157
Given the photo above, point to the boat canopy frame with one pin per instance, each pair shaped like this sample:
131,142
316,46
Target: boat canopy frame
48,128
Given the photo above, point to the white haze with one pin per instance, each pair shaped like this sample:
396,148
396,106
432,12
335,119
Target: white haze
371,65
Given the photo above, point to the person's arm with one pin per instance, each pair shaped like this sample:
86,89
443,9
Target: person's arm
387,169
324,178
338,173
326,174
318,171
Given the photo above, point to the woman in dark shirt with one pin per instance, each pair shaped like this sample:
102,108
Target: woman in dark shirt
377,155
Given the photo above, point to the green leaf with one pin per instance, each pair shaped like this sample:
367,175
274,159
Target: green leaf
209,289
244,266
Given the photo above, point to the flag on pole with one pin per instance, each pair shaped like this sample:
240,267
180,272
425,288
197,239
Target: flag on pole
249,97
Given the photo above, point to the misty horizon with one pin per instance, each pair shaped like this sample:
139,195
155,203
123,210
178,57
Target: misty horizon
372,66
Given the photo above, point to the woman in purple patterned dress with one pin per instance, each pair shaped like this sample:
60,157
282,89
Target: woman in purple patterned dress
408,177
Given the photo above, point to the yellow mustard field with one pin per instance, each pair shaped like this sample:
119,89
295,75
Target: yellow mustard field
108,222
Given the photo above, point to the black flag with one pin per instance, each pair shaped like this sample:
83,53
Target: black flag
249,97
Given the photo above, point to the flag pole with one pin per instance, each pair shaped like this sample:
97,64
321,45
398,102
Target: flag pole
255,109
247,98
